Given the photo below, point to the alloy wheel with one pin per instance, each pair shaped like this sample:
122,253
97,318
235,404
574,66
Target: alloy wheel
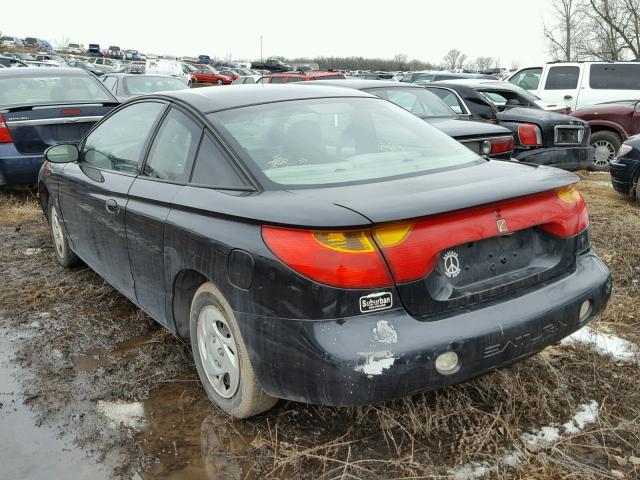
605,152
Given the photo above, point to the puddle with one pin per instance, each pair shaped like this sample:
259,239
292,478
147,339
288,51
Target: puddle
28,451
190,438
97,357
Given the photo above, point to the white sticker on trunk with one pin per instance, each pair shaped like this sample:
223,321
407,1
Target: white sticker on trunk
376,301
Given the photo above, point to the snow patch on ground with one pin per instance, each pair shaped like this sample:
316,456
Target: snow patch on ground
375,362
586,414
384,332
604,344
32,251
127,414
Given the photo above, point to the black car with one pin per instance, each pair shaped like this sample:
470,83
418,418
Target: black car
542,137
423,78
11,62
625,168
483,138
40,107
126,86
322,244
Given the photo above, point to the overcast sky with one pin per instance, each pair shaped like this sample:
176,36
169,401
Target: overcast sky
423,29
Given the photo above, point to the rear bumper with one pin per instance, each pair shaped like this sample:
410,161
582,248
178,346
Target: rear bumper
567,158
386,355
16,169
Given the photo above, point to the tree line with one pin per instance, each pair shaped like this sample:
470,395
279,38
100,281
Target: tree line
607,30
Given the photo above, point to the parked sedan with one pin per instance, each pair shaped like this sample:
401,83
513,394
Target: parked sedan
542,137
322,244
625,169
126,86
206,74
88,66
40,107
483,138
611,123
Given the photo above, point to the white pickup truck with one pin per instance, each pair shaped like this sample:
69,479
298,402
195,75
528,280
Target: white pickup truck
580,84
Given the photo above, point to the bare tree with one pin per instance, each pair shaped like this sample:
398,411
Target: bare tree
62,43
621,25
454,59
483,63
400,59
567,29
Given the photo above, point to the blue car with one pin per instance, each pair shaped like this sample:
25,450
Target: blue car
40,107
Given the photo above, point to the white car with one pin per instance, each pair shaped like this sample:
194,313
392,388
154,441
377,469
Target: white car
580,84
11,42
106,65
246,80
172,68
75,49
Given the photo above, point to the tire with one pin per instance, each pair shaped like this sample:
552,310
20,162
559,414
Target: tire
221,357
637,192
63,252
607,144
219,82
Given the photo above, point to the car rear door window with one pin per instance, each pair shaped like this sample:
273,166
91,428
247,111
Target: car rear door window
212,168
529,78
562,78
173,148
614,76
450,98
277,79
117,144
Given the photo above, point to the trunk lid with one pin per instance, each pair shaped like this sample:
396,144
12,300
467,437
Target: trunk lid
546,121
34,129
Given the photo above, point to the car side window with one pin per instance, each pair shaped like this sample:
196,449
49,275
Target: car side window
117,143
449,98
110,83
212,167
277,79
173,148
263,80
562,78
529,78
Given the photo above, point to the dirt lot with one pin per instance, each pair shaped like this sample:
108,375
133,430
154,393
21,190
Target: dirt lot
118,396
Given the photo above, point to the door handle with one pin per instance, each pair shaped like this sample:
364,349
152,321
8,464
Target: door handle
112,206
568,97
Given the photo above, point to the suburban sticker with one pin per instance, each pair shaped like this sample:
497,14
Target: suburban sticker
376,301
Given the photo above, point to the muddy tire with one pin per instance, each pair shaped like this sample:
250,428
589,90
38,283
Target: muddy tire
221,357
607,144
637,192
61,247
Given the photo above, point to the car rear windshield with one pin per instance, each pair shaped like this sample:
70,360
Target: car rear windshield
51,89
615,76
419,101
333,141
142,85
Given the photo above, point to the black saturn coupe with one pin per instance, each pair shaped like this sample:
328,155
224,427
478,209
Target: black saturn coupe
322,244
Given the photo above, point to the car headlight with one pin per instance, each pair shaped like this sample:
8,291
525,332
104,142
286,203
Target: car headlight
624,150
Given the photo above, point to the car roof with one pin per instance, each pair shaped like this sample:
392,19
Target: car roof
41,72
209,100
476,83
122,74
361,84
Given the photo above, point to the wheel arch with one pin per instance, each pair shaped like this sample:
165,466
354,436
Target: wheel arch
185,285
44,199
602,126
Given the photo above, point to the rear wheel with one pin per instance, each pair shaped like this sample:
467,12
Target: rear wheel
607,144
221,357
638,192
64,254
219,82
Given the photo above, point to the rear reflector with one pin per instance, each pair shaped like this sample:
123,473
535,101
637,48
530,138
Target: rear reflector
5,134
529,135
346,259
356,258
70,111
504,144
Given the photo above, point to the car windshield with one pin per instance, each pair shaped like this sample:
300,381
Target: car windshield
334,141
51,89
141,85
419,101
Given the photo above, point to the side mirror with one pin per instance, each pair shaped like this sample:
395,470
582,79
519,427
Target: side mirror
63,153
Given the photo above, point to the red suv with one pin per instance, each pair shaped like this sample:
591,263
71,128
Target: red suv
611,124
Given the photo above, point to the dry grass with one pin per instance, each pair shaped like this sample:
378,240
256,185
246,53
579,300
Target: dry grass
17,208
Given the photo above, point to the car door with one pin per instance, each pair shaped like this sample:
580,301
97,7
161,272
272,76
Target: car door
560,85
165,171
93,192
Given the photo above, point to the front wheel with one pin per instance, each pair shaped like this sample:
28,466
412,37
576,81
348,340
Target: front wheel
219,82
66,257
221,357
607,145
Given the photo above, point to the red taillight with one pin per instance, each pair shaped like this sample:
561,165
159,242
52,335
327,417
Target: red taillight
5,134
70,111
529,135
502,145
346,259
356,258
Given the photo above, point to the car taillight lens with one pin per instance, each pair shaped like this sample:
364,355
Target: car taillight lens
5,134
502,144
356,258
346,259
529,135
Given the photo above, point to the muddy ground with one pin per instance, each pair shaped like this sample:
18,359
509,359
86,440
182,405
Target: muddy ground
92,384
